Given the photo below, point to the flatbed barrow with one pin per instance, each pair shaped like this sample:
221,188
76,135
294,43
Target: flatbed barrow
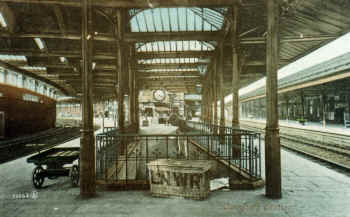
53,160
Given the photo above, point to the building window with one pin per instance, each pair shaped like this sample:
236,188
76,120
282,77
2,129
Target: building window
30,97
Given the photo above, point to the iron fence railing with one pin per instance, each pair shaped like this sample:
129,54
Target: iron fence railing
125,157
216,129
244,146
108,129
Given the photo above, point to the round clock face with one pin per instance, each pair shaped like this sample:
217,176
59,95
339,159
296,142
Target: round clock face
159,95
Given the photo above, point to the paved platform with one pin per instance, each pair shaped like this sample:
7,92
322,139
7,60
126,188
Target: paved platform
310,189
330,128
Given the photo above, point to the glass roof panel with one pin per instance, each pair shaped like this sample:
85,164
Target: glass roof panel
174,46
5,57
170,70
182,19
167,60
177,19
164,19
33,68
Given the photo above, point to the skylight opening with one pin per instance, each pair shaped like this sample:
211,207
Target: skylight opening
173,76
170,70
168,60
18,58
3,22
40,43
63,60
177,19
34,68
174,46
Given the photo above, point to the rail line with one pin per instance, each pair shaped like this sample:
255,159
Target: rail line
332,148
12,149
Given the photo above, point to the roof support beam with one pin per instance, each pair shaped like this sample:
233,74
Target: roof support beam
134,37
162,74
33,75
172,36
60,19
57,53
8,16
168,66
179,54
134,3
287,39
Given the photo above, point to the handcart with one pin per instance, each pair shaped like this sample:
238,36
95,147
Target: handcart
53,160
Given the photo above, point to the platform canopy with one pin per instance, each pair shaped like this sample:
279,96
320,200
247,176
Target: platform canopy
172,42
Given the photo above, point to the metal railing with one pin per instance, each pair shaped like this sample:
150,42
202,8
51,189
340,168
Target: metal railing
125,157
109,129
243,146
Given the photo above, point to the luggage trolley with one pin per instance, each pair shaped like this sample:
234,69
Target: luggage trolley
54,160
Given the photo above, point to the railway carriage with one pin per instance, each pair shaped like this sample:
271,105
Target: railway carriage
23,111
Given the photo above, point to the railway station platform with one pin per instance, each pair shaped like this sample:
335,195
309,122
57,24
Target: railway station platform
310,188
330,128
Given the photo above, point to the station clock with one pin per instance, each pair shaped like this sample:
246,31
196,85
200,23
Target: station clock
159,95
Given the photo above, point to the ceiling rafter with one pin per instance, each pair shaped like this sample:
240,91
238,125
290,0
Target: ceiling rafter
134,3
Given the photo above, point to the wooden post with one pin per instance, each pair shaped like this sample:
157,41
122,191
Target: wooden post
215,96
24,81
236,139
204,102
207,102
272,138
324,109
135,99
302,103
287,107
87,143
103,117
36,86
222,92
137,105
210,98
131,89
120,62
235,69
6,76
347,105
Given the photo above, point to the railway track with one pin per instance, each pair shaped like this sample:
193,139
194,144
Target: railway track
12,149
329,147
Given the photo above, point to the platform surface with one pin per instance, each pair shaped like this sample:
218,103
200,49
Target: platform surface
330,128
310,189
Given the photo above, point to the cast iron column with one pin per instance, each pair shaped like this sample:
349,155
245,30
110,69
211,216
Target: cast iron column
120,61
215,96
87,143
235,70
272,138
222,92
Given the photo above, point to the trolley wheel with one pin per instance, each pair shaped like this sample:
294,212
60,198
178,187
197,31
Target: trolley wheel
74,175
38,178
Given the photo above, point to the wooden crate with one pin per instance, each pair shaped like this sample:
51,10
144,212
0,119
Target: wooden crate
185,178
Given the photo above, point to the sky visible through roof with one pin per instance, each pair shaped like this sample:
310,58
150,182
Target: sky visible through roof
176,20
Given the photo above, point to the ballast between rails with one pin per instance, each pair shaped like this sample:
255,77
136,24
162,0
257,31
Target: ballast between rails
15,148
333,148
